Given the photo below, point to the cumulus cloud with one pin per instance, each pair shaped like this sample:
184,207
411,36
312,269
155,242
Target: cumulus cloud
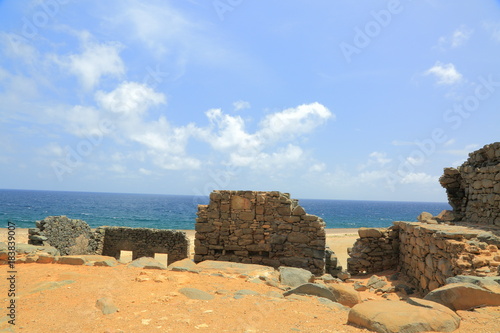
458,38
96,60
130,99
445,74
241,105
417,178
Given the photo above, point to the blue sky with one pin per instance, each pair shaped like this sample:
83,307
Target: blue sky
365,100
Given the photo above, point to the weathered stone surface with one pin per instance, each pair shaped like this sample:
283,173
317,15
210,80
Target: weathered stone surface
294,277
312,289
473,189
198,294
463,296
369,232
345,294
71,260
49,285
106,305
424,217
267,228
402,317
491,283
147,263
183,265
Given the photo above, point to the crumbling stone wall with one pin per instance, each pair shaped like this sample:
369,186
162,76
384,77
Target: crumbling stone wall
266,228
428,253
377,249
75,237
474,188
62,233
144,242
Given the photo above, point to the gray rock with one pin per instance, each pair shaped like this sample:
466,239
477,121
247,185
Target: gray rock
49,285
333,305
312,289
294,277
344,275
463,296
489,237
194,293
106,305
492,283
146,263
376,282
184,265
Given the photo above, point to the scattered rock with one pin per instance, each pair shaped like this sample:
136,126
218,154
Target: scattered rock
147,263
463,296
184,265
491,283
106,306
424,217
376,282
49,285
312,289
358,286
71,260
345,294
332,305
294,277
344,275
402,317
194,293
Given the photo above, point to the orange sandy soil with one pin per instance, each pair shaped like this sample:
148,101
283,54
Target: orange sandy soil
156,305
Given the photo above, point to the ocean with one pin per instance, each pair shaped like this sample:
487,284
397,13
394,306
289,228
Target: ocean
24,207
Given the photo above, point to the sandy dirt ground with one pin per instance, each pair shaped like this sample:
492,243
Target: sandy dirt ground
62,298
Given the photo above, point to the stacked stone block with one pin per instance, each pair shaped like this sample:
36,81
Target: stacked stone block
474,188
427,254
375,250
267,228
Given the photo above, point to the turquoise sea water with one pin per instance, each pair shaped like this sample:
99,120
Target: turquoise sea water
24,207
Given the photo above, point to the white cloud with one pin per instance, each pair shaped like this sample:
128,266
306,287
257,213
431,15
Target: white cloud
96,61
241,105
458,38
446,74
418,178
130,99
292,122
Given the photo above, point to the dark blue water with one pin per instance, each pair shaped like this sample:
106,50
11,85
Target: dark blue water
179,212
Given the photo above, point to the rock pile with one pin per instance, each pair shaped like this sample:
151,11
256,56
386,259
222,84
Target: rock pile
474,188
266,228
374,251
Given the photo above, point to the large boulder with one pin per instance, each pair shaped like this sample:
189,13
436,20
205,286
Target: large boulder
184,265
370,232
345,294
463,296
413,316
294,277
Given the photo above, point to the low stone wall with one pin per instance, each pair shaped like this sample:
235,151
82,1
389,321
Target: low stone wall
427,253
75,237
266,228
143,242
431,253
376,250
473,189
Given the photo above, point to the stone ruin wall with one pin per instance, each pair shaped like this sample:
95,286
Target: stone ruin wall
473,189
427,254
266,228
143,242
71,236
